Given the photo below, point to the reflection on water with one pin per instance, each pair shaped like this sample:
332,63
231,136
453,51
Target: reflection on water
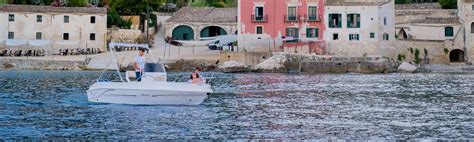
53,104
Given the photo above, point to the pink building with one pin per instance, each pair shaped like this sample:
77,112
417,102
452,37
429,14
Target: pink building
280,20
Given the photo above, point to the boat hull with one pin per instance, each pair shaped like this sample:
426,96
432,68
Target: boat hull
151,93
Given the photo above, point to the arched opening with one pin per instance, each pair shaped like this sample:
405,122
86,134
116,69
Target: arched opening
402,34
183,33
212,31
456,55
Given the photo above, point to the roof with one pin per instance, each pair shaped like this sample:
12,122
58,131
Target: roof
417,6
346,3
205,15
51,9
438,20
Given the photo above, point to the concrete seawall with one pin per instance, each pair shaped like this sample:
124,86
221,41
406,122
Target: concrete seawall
28,64
307,63
329,64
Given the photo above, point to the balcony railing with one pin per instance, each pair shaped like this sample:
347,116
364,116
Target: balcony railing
291,18
312,18
259,19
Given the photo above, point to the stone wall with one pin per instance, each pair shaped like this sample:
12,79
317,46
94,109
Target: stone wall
247,58
25,64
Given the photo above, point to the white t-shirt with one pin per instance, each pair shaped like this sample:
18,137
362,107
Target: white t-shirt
140,60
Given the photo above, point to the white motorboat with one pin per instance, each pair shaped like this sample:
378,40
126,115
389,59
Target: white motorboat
152,90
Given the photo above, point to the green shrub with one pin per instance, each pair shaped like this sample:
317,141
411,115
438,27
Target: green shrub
446,50
448,4
401,57
219,4
417,56
114,19
411,50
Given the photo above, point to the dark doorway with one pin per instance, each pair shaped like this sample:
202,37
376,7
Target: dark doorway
212,31
402,34
183,33
456,55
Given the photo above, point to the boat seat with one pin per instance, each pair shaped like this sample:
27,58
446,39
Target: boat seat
130,74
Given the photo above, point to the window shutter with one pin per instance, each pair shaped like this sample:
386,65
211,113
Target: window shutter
349,17
317,32
358,20
308,32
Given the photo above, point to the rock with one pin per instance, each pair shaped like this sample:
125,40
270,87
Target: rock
8,65
276,62
233,67
407,67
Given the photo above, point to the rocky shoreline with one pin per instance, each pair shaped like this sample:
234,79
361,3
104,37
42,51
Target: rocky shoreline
278,63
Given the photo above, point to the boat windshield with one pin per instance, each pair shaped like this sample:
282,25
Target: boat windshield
154,67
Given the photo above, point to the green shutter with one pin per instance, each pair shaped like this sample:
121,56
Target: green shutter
308,35
317,32
340,21
358,20
349,20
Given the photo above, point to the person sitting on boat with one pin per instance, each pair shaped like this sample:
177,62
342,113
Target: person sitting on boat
195,77
139,64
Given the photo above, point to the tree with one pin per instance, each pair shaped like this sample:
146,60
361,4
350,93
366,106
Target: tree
114,19
448,4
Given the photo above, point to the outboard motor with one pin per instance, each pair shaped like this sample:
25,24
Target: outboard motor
154,72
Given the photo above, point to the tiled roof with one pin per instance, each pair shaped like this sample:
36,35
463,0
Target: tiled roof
350,3
438,20
50,9
205,15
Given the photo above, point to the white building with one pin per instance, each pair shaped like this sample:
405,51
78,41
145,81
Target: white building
52,28
359,28
466,15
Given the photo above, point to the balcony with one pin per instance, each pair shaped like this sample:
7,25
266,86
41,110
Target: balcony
312,18
259,19
291,18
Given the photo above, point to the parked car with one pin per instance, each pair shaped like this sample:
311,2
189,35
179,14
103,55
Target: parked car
221,42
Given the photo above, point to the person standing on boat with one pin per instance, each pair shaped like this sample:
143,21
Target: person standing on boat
139,64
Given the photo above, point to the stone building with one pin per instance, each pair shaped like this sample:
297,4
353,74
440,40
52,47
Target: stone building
466,16
357,28
196,23
52,28
437,34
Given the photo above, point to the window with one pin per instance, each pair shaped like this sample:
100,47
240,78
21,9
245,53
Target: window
259,13
11,17
472,7
292,13
386,36
312,13
448,31
335,36
92,19
39,18
472,27
312,33
384,20
353,37
92,36
66,36
259,29
66,19
11,35
372,35
39,36
335,21
292,32
353,20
